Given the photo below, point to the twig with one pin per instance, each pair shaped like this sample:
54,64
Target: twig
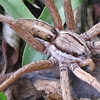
49,85
35,86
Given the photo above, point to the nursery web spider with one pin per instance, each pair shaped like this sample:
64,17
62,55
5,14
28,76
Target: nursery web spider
66,48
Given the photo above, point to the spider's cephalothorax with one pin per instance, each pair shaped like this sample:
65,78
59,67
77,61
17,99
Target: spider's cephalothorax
69,47
71,44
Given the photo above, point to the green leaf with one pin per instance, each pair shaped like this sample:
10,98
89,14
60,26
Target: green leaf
2,96
45,16
30,55
16,9
30,1
76,3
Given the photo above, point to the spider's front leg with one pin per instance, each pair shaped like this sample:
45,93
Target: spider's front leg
69,15
34,66
54,13
30,29
22,32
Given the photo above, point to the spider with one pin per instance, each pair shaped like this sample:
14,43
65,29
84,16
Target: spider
66,48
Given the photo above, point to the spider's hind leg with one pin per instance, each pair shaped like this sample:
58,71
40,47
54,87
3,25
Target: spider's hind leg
95,30
64,81
84,76
94,47
34,66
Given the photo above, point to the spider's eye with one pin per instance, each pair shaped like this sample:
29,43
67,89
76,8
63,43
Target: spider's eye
49,38
75,54
83,54
54,31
